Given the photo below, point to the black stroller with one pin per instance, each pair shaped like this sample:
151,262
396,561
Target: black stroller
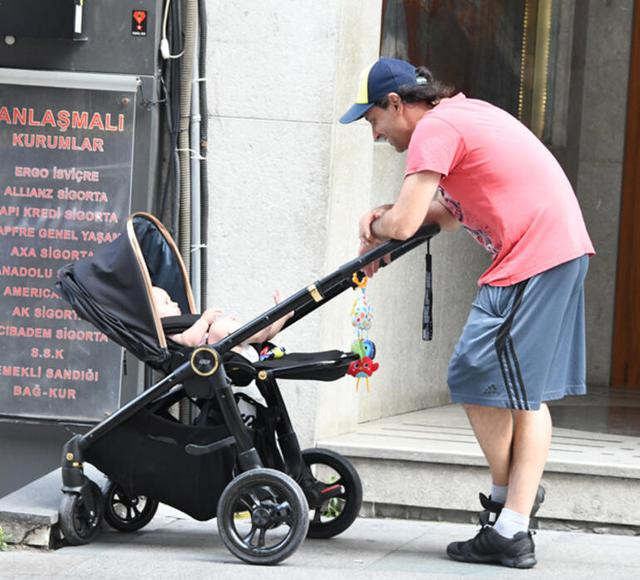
266,493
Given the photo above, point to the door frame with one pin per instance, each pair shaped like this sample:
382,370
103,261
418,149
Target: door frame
625,359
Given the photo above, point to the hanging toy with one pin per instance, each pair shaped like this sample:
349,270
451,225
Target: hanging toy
361,319
362,368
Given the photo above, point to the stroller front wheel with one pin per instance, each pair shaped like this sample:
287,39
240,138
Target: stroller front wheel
127,514
262,516
81,515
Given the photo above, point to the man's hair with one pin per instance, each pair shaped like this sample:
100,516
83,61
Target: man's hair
428,90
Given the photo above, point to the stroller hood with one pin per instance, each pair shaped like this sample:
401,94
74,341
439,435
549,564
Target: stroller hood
112,288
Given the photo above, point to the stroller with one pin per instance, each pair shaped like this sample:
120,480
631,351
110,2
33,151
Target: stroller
266,493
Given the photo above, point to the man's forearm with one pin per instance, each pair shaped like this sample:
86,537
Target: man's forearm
379,228
402,220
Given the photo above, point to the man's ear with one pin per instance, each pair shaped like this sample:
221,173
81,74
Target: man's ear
395,101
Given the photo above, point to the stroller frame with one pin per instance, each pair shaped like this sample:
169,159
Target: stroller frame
204,369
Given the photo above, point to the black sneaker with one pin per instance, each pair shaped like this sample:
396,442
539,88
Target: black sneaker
489,547
492,508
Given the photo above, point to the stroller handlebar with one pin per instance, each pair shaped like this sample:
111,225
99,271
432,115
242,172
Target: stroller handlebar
308,299
395,248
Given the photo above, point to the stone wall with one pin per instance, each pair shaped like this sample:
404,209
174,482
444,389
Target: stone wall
288,184
600,155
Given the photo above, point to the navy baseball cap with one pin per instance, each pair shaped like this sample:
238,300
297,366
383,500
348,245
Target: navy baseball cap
379,79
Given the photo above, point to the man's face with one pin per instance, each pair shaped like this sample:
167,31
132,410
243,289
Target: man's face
390,125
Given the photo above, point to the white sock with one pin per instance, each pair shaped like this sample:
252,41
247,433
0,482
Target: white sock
509,523
499,493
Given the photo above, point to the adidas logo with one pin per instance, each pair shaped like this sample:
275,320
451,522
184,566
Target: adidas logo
490,390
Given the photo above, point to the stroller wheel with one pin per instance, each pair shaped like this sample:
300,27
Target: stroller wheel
124,513
341,496
262,516
79,519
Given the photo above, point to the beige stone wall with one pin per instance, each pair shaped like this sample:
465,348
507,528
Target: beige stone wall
271,86
288,184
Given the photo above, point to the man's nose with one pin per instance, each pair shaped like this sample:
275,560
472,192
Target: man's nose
375,134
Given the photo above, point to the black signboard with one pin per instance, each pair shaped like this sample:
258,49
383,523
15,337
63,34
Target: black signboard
65,188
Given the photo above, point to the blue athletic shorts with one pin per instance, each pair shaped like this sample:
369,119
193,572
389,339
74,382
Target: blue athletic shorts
523,344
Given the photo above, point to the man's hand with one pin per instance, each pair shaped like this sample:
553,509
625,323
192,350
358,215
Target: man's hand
364,225
373,267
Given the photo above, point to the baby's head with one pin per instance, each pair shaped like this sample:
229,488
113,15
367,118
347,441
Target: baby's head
164,305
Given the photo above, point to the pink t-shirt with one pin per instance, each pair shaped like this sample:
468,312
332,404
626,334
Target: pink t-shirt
505,187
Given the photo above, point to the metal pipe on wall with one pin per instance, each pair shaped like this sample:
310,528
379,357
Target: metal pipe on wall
196,238
190,35
185,150
204,137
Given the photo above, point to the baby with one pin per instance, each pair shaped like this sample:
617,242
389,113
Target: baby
213,325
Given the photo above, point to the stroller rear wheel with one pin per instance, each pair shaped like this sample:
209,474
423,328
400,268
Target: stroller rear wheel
80,518
341,494
124,513
262,516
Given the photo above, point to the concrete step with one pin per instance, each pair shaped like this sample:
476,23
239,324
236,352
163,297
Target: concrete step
427,464
29,515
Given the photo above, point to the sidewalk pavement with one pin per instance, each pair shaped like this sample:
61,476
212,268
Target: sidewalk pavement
175,546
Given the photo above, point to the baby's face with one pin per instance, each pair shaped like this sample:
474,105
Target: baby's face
164,305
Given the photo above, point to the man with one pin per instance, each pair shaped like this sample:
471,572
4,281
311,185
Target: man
471,163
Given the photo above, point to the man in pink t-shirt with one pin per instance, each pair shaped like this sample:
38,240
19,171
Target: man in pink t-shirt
472,164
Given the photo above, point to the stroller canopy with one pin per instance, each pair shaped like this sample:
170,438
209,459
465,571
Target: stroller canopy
112,288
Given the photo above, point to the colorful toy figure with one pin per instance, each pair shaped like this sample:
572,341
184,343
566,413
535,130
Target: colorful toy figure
271,351
364,348
362,368
361,320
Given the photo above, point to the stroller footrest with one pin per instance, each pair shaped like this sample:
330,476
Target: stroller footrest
320,366
193,449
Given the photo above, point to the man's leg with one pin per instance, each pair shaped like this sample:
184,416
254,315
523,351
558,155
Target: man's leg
531,442
493,428
516,445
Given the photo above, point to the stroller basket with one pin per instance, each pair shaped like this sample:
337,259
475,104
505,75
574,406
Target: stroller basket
146,456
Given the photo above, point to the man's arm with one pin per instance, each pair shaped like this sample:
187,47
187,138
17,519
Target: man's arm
411,209
364,225
439,213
